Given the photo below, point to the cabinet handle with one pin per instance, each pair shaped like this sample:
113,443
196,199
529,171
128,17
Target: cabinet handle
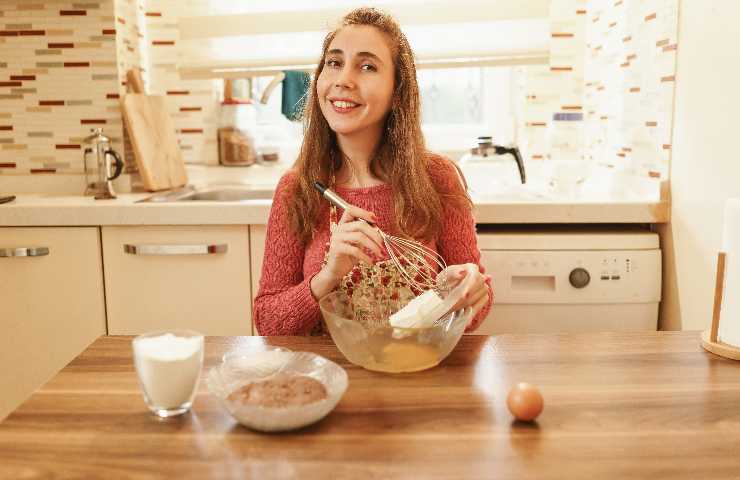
175,249
24,252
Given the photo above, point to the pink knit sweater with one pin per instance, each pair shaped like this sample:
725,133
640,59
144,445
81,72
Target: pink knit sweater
285,304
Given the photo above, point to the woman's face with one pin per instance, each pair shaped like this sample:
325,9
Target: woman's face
355,87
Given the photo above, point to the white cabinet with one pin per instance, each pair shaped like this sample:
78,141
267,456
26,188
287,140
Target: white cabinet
51,304
178,277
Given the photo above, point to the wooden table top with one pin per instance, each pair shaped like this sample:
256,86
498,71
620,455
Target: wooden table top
617,405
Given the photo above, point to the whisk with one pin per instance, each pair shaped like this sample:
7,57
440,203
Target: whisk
417,263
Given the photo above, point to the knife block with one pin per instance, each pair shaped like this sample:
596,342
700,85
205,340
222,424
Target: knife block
709,337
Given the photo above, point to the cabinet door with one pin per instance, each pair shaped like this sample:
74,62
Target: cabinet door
51,304
177,277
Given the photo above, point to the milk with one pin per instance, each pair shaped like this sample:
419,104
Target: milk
168,367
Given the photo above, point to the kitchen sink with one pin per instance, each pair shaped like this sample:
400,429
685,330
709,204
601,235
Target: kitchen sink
210,194
227,195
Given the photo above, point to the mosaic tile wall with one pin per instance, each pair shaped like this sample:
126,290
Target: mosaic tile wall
193,104
63,69
557,88
63,64
613,65
58,78
131,52
630,80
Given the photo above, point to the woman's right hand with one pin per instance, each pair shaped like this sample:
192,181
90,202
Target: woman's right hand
351,242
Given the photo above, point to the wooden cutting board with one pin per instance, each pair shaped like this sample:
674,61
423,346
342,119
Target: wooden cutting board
152,133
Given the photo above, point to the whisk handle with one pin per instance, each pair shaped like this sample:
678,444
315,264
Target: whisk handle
331,195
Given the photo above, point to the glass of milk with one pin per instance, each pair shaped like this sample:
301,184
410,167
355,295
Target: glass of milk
168,365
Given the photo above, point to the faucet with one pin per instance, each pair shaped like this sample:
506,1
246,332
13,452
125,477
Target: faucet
486,147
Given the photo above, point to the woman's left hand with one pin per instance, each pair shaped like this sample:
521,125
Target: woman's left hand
473,283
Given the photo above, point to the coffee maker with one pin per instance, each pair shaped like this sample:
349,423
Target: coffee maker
99,145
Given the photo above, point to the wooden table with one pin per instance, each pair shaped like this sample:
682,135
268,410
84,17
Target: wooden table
648,405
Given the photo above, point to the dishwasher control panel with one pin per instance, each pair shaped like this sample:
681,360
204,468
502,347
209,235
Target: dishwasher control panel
574,276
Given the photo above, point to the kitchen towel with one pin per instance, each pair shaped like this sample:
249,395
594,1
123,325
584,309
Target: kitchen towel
295,89
729,316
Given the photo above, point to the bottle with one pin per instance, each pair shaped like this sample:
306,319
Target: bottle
565,142
565,136
236,144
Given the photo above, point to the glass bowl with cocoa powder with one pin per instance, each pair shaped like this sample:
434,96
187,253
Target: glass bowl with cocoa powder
277,389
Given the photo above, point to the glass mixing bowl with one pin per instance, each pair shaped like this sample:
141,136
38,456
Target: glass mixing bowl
246,365
367,339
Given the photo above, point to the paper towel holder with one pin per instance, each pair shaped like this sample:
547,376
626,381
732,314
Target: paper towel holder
709,337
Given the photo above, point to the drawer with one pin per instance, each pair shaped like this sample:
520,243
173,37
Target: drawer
177,277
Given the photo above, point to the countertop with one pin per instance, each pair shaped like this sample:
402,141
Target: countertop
513,207
617,405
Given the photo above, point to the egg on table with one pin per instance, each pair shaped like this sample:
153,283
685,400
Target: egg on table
525,402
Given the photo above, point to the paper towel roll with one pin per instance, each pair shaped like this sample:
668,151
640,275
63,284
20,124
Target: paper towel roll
729,316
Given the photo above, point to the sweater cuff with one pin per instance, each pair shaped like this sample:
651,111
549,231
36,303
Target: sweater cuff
482,314
305,306
305,295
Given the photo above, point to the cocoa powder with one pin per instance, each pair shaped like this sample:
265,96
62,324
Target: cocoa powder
282,390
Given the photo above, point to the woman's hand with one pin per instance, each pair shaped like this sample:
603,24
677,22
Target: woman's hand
473,286
351,242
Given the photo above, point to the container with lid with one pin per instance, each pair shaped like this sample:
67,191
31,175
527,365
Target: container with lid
565,136
236,140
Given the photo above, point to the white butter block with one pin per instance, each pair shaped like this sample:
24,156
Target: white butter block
419,312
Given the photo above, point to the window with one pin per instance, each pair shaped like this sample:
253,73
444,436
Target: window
460,104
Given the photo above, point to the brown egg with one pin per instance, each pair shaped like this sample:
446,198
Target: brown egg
525,402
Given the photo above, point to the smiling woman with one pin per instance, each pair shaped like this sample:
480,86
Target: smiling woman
362,138
350,111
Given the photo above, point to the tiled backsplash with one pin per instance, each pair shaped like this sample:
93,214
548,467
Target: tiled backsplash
63,69
131,52
630,78
613,62
193,104
58,78
555,88
63,64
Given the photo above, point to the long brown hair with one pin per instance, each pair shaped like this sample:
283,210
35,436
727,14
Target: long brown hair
401,159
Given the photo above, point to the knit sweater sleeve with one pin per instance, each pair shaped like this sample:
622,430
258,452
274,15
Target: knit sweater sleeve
284,304
457,241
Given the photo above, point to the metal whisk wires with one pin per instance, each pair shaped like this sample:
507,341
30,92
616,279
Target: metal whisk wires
417,263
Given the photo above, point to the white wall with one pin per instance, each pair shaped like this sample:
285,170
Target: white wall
705,166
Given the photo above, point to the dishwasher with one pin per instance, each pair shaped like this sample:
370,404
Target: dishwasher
571,280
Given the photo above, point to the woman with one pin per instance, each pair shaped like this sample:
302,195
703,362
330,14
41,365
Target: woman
363,138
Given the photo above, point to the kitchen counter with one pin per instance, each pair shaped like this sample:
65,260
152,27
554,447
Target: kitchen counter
74,209
629,405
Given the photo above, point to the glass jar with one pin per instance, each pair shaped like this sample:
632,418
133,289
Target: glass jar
237,124
565,136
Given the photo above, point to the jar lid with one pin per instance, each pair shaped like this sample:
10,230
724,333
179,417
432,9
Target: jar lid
568,117
237,101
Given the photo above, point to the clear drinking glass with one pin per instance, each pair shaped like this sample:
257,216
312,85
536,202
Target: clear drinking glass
168,364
